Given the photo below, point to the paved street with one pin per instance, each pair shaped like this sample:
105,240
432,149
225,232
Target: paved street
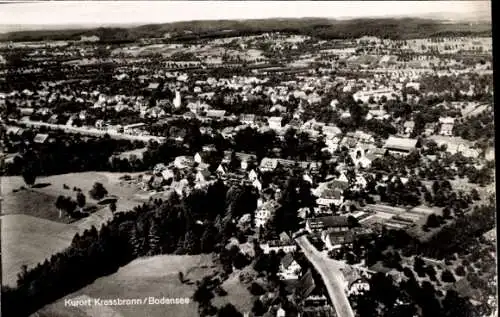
332,276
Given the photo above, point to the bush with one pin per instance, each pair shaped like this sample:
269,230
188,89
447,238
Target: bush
258,308
460,270
98,191
256,289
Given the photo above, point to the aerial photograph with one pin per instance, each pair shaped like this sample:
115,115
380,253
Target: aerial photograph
241,159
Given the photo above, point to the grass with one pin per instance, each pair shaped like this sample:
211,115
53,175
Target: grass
154,276
28,240
31,228
237,294
33,203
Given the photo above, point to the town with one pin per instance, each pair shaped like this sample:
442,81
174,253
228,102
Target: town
272,173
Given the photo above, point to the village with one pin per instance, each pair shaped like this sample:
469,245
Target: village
345,162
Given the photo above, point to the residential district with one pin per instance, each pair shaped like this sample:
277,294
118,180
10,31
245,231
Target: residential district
348,177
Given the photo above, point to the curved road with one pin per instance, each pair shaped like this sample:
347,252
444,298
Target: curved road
331,275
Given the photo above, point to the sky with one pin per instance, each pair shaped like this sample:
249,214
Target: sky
55,14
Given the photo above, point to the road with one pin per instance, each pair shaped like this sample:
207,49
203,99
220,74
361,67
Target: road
92,131
330,273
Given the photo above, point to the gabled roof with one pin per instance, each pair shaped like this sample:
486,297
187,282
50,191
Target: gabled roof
306,285
405,144
330,221
287,260
40,138
216,113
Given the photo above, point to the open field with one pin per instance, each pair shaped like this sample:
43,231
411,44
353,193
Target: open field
29,236
33,203
154,276
28,240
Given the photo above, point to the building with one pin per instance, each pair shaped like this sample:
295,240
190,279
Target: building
289,268
335,239
335,223
401,146
268,164
265,212
216,114
274,122
247,118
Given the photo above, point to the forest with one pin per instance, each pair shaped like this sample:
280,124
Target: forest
322,28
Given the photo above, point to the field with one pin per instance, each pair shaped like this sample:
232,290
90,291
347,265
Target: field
31,229
155,276
28,240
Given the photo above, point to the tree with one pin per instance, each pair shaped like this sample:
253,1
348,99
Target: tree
112,207
80,200
256,289
60,204
29,175
258,307
460,270
447,277
229,311
475,194
98,191
432,221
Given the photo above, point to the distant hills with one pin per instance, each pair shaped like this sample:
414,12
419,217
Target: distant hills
394,28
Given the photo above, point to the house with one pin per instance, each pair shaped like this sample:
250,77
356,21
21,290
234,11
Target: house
197,158
182,162
335,239
278,245
275,122
330,196
245,158
446,129
216,114
257,184
408,127
40,138
247,118
280,312
335,223
265,212
153,86
403,146
358,286
221,169
289,268
252,175
305,286
167,174
268,164
202,176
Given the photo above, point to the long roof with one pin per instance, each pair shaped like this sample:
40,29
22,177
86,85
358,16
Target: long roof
405,144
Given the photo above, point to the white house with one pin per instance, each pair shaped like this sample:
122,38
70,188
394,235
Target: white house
277,246
275,122
221,170
252,175
265,212
197,158
358,286
257,184
289,268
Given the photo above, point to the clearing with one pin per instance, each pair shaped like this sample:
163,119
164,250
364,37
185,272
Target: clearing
28,240
153,276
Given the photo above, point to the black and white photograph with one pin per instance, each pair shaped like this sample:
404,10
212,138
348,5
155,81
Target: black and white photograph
247,158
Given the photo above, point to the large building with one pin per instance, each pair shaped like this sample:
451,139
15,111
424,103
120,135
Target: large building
402,146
